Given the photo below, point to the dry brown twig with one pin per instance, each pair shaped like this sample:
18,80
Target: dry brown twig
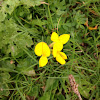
74,86
1,3
58,23
42,2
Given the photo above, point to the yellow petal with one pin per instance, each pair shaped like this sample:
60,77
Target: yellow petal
38,49
54,37
64,38
43,61
45,50
60,59
58,45
42,49
63,55
54,52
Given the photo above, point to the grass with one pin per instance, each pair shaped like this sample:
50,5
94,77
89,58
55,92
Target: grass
24,25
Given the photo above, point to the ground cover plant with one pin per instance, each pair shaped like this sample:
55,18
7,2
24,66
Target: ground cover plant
24,24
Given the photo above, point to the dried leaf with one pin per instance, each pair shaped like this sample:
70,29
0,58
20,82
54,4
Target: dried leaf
74,86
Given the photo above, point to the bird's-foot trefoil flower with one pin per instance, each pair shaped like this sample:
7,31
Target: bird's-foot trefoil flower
60,56
42,49
62,38
57,44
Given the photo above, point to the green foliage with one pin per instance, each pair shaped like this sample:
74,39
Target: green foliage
24,67
33,91
4,89
51,84
24,23
45,96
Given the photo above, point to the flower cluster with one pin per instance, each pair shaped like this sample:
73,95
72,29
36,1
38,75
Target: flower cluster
43,50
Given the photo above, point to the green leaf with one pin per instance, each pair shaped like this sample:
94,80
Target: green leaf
23,40
4,90
32,2
84,88
24,67
38,22
14,39
33,91
51,84
79,18
6,64
13,49
2,15
61,97
5,76
59,12
30,72
8,6
46,96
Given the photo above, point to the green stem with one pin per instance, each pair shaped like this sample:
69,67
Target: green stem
50,16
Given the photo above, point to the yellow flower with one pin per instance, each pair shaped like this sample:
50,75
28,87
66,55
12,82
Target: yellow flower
43,61
42,49
58,46
60,56
62,38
